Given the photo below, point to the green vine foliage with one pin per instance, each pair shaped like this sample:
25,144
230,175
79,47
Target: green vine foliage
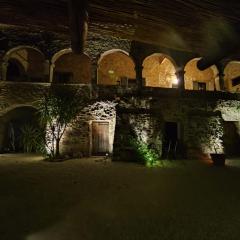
146,155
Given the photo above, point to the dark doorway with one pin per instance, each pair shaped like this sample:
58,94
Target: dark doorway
170,139
14,122
100,138
231,139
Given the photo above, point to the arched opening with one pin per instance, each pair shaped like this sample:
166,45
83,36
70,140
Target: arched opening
25,64
15,71
196,79
15,124
159,71
232,76
116,67
71,68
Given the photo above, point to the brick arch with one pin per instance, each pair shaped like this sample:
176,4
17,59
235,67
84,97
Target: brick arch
159,70
232,72
32,61
194,76
73,67
114,66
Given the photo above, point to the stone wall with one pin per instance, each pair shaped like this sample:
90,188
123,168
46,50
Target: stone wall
78,137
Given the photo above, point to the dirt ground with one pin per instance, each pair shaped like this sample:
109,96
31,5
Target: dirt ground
86,199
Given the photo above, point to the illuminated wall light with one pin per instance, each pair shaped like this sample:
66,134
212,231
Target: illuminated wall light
175,81
111,72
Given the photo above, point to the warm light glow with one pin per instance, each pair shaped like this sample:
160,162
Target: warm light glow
111,72
175,81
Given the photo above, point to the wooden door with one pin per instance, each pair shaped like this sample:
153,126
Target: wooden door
100,138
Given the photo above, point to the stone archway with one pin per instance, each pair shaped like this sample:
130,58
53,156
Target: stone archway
232,76
159,70
196,79
24,64
68,67
11,129
116,67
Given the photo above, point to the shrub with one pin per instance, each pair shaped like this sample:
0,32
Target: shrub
145,154
32,139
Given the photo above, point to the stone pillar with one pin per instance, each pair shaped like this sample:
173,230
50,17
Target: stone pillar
180,76
221,77
139,78
94,73
78,16
51,72
4,71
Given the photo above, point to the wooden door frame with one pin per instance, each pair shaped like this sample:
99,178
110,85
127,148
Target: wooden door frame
90,134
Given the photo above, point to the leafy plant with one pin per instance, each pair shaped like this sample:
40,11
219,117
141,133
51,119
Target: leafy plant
145,154
57,109
32,139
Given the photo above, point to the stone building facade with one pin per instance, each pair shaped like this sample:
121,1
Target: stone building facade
155,94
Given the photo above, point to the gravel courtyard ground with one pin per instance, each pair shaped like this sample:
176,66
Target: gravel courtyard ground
86,199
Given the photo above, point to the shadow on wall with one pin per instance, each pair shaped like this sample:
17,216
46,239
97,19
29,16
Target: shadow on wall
231,139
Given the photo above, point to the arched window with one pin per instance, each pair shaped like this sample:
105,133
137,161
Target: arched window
116,67
196,79
71,68
159,71
232,76
15,71
25,64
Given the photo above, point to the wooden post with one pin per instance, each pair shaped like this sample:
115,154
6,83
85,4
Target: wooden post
78,17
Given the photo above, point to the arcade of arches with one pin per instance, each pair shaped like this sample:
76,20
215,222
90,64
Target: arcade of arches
27,64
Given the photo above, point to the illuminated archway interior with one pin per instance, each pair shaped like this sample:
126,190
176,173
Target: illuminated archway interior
72,68
232,76
159,71
116,68
196,79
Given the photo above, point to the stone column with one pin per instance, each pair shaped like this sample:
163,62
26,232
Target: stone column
94,73
4,71
139,78
180,76
221,77
51,73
